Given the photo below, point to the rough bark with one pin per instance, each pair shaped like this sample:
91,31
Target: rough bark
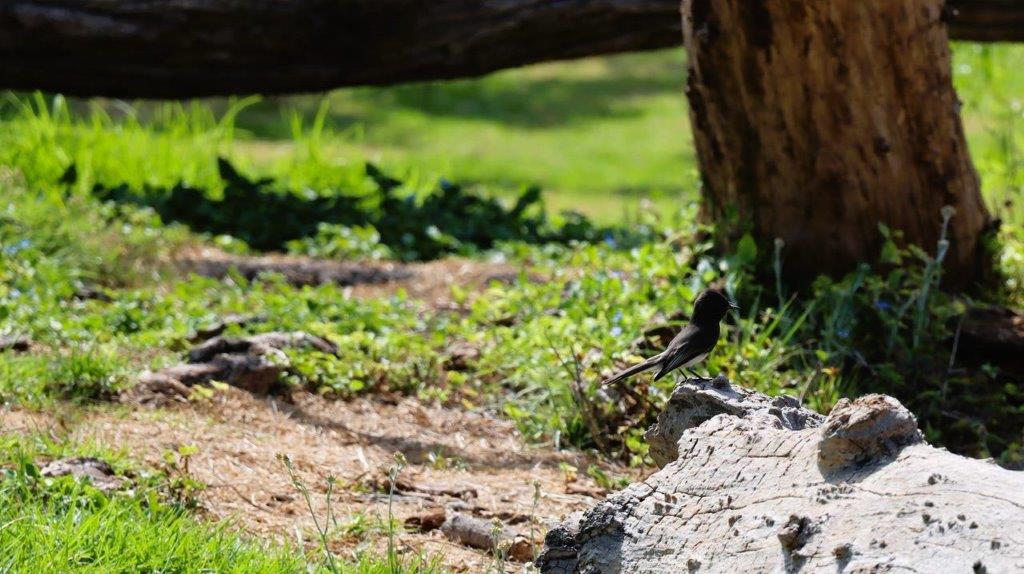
814,122
765,486
187,48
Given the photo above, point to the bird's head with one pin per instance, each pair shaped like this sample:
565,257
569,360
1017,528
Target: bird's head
711,306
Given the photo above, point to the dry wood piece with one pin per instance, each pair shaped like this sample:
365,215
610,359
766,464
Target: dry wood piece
581,490
87,293
258,344
212,47
460,355
251,363
156,390
428,521
488,535
767,486
99,472
402,485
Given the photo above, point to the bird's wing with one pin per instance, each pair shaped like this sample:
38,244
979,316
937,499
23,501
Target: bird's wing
689,345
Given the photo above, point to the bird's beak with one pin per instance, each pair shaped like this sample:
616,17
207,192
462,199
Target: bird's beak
733,305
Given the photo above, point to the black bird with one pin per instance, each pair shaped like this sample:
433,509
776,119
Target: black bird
693,343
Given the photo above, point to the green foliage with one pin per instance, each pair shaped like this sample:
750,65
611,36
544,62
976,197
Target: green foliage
441,221
545,338
334,241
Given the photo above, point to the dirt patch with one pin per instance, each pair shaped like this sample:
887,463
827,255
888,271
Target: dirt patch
430,282
239,437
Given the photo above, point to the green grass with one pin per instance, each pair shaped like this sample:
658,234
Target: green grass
597,135
65,525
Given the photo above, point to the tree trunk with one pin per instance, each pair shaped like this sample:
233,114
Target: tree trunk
816,121
188,48
755,484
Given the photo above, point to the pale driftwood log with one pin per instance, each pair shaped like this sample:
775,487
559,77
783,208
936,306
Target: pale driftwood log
186,48
762,485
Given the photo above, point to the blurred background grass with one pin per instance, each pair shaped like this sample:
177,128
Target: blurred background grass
599,135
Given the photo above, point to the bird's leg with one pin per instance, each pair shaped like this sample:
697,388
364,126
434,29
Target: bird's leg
693,375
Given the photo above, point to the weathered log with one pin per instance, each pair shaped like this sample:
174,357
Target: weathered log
488,535
252,363
814,122
188,48
763,486
258,345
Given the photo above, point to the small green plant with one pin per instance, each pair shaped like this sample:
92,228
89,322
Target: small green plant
322,528
182,486
394,563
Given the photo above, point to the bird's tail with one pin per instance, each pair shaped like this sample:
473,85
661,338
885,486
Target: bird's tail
637,368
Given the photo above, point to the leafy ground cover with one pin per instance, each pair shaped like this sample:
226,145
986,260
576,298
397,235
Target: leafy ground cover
94,285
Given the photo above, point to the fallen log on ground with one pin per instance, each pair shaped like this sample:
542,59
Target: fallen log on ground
140,48
756,484
252,363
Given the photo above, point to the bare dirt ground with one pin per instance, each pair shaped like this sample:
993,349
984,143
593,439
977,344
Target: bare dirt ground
239,437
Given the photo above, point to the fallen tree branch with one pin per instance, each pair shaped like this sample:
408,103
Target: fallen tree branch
190,48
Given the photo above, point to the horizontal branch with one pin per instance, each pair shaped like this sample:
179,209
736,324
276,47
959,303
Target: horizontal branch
187,48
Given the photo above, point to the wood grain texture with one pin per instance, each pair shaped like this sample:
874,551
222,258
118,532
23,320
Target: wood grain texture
187,48
753,489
